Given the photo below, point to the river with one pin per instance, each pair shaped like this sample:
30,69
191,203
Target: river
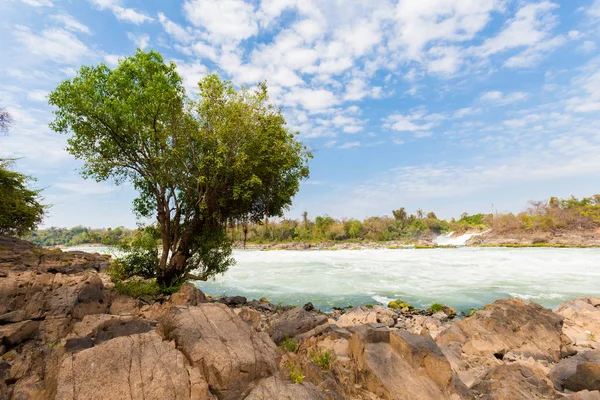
462,277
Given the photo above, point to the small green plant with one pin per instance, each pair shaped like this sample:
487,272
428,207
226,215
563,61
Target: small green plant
143,288
369,305
323,359
399,305
436,307
289,344
592,337
296,375
264,300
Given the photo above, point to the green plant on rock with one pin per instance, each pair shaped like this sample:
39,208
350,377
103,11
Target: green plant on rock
136,287
369,305
296,375
323,359
289,344
436,307
399,305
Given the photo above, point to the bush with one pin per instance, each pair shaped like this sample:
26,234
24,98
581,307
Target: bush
436,307
296,375
289,344
399,305
323,359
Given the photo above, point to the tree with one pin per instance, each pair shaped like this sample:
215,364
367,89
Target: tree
195,164
20,208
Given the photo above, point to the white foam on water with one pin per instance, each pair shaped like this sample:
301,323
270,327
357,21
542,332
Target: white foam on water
462,278
447,239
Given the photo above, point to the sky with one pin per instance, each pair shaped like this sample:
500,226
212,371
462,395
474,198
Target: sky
446,105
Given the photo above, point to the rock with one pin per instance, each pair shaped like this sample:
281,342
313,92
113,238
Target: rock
103,327
275,389
262,305
124,305
40,295
251,317
80,343
54,328
188,295
228,352
440,316
400,365
233,301
385,316
513,382
582,321
581,372
308,307
295,322
12,317
139,366
584,395
526,329
14,334
357,316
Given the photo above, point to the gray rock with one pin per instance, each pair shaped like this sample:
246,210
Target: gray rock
580,372
295,322
275,389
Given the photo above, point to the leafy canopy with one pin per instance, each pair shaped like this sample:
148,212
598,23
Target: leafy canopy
195,164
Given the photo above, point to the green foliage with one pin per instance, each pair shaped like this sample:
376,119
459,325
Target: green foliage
399,305
436,307
289,344
20,207
80,235
323,359
197,165
296,375
369,305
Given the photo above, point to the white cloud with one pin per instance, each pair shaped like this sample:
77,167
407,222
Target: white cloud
142,40
176,31
85,187
37,95
191,73
497,97
112,59
122,13
313,100
349,145
38,3
70,23
416,122
53,44
223,20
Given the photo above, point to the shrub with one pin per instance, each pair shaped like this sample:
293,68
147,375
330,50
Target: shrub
295,373
143,288
323,359
369,305
399,305
289,344
436,307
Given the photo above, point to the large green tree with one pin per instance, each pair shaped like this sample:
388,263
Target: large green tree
21,210
196,164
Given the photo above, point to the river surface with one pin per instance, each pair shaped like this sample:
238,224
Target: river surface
461,278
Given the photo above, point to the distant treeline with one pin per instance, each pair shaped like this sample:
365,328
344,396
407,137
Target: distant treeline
540,216
80,235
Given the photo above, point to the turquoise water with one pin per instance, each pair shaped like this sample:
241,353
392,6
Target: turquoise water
462,278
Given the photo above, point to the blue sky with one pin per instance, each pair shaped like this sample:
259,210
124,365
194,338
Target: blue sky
446,105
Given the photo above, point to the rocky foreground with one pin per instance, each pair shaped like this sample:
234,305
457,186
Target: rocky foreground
65,334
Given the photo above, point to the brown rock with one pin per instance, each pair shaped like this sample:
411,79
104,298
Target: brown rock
188,295
250,316
401,365
124,305
228,352
513,382
140,366
103,327
357,316
295,322
582,321
526,329
581,372
275,389
14,334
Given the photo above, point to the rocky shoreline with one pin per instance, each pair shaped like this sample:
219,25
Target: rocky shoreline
65,334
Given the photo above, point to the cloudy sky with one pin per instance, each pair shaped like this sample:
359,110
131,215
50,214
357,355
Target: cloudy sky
446,105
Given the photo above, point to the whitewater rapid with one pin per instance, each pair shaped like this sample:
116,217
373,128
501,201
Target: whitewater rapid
462,278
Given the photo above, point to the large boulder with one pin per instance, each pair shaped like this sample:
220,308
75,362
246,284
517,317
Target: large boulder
188,295
13,334
357,316
40,295
582,321
510,325
580,372
139,366
400,365
103,327
228,352
275,389
513,382
295,322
